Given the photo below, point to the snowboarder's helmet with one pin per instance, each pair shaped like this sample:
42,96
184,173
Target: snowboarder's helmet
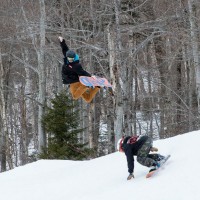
119,144
70,54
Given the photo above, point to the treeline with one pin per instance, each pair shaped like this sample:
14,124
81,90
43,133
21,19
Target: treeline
147,49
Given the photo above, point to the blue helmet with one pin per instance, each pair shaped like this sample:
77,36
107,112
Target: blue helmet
70,54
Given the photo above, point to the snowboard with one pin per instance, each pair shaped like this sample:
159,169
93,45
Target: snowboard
91,82
152,173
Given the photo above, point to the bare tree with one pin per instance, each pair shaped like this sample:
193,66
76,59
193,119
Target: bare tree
42,79
3,117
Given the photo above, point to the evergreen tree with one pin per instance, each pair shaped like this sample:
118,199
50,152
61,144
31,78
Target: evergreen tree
61,124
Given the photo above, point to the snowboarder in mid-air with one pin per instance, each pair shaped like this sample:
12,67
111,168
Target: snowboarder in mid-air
140,147
71,71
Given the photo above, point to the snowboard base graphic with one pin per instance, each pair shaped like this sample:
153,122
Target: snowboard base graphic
92,82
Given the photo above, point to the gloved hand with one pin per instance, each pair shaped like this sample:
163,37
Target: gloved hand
94,77
60,38
153,149
130,176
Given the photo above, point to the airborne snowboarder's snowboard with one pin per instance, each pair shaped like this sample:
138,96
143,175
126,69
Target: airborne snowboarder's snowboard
150,174
91,82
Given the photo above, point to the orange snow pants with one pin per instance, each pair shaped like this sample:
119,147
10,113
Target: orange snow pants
79,90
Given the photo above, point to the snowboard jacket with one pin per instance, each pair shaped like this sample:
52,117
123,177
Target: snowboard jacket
71,71
131,150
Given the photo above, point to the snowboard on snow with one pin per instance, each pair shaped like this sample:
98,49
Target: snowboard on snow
152,173
91,82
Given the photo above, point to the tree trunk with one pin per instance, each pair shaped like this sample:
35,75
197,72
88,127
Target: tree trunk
119,109
3,120
42,79
195,50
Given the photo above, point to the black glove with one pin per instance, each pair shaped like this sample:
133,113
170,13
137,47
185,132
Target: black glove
130,176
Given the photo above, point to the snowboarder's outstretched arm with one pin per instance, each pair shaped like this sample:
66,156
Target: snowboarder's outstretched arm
63,45
130,160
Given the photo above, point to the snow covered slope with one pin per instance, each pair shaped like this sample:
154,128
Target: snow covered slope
105,178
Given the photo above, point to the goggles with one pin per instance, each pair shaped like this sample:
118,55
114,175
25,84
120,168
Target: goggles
70,59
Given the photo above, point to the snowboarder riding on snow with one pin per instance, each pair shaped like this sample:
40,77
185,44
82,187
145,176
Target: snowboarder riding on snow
71,71
140,147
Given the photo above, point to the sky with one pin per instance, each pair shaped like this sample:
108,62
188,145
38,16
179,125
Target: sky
104,178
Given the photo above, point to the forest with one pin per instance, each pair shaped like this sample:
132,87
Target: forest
147,49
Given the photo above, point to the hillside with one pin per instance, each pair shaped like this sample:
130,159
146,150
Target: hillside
105,178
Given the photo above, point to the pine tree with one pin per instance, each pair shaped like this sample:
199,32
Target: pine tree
61,124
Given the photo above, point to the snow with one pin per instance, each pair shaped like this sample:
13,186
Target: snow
104,178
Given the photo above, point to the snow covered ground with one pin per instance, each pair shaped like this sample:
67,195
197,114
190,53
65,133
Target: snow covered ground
105,178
